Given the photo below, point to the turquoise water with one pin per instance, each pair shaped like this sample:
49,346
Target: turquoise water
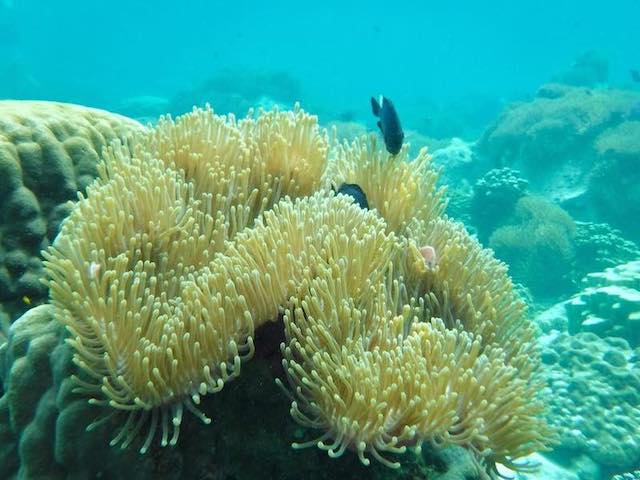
424,55
531,111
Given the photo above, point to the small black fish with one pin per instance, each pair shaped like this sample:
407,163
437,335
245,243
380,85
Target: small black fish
635,74
389,124
356,193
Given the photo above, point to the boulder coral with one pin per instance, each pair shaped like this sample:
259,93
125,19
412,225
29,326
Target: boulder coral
609,304
200,234
537,243
48,152
594,386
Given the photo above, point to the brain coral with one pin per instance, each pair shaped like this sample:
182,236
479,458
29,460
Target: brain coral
206,230
48,152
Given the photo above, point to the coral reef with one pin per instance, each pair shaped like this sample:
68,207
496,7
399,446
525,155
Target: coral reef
615,176
594,386
457,162
494,199
537,243
459,200
598,246
572,143
206,232
48,152
609,306
553,319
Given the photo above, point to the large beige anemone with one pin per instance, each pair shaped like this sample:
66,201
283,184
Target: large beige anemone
206,227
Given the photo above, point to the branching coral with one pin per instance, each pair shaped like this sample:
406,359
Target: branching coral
194,238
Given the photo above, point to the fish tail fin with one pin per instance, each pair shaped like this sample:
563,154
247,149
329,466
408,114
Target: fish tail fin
375,107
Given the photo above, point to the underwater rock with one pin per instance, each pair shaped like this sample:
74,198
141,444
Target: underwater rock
594,384
609,306
561,142
48,153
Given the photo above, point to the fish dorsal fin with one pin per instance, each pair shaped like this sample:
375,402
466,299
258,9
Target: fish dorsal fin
375,107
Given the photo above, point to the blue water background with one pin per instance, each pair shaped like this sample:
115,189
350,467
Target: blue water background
420,54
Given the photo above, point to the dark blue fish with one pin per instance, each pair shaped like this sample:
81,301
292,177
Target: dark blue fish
356,193
389,124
